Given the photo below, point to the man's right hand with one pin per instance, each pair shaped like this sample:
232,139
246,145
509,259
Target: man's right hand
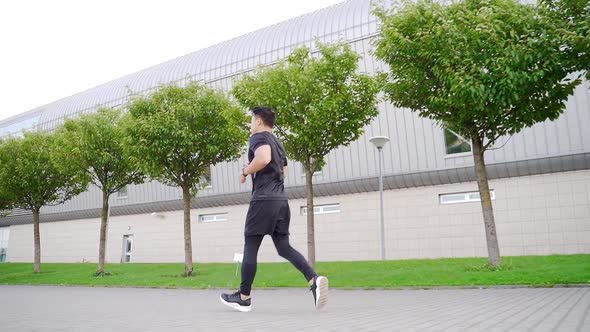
242,176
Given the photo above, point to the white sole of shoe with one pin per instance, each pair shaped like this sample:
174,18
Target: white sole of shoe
236,306
321,292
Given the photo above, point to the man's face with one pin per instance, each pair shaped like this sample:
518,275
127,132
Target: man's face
255,124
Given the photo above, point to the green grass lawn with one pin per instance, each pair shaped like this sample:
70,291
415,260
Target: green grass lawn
525,270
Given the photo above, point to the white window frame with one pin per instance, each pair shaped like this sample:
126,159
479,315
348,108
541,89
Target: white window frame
123,193
322,209
458,154
213,217
463,197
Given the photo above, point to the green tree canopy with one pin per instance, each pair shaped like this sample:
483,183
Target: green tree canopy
177,133
6,199
27,172
572,27
484,68
93,146
321,103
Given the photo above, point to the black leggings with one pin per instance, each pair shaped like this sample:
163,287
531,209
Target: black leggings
281,241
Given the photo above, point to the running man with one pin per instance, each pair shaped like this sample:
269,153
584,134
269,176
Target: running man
269,211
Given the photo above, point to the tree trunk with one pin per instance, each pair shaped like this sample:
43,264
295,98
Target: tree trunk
486,202
310,218
37,259
104,219
188,247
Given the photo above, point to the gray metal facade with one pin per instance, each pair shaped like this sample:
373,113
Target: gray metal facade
415,156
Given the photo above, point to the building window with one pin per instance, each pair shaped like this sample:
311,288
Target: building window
314,173
127,248
122,193
213,217
206,179
466,197
455,143
322,209
16,129
4,233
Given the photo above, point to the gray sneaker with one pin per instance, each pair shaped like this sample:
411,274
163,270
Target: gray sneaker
319,289
235,301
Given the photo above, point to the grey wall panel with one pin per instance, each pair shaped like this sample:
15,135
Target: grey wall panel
391,150
401,138
355,159
334,165
578,164
582,105
342,164
562,135
417,141
517,146
435,178
436,147
457,161
331,166
573,124
429,152
500,150
540,139
230,174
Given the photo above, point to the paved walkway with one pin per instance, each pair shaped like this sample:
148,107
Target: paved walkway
54,308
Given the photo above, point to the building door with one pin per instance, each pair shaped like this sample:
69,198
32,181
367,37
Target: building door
127,248
4,233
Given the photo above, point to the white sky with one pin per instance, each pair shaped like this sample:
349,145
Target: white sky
50,50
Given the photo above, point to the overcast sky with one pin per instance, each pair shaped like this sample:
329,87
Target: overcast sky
53,49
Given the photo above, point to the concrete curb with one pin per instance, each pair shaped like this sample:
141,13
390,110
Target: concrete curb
338,288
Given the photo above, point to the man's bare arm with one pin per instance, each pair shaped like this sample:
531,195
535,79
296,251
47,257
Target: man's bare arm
262,156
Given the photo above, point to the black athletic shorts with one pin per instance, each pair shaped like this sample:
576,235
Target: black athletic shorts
268,217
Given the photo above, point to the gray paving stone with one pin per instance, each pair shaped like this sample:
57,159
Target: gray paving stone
55,308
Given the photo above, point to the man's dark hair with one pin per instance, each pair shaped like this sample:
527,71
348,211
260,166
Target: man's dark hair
266,114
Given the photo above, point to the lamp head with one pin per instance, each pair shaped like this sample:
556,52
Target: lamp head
379,141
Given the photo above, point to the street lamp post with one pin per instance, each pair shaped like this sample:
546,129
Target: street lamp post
379,142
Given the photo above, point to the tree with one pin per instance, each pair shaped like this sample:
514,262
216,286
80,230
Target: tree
28,174
572,28
321,103
6,200
177,133
482,68
4,204
93,145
